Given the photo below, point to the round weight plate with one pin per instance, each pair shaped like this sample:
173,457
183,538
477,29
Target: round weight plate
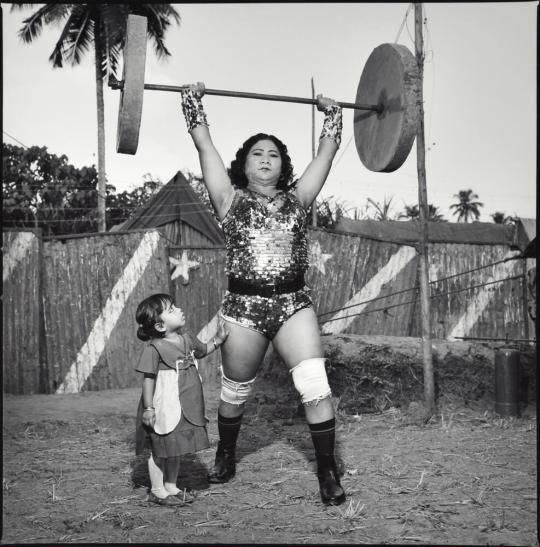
131,97
390,79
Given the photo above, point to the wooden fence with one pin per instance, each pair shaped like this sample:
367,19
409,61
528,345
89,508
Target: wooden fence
69,303
22,331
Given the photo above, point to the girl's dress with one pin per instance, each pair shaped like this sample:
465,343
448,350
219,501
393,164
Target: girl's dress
190,434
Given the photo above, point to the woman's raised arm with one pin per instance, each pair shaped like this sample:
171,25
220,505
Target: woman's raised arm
214,173
312,180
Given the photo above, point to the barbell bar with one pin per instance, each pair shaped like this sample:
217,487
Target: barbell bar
386,109
119,84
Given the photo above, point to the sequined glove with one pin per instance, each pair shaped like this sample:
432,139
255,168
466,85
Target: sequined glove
332,124
192,108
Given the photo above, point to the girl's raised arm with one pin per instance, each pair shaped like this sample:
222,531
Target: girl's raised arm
311,182
214,173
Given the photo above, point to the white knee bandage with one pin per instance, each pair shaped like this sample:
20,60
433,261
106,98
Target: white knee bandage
310,380
235,393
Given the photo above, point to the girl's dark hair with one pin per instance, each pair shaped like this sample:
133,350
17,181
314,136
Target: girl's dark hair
236,170
147,315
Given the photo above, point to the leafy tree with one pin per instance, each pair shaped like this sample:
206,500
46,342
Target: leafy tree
44,190
501,218
197,184
466,207
121,206
412,212
100,27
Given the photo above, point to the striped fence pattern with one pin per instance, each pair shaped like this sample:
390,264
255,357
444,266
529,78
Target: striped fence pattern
92,286
86,290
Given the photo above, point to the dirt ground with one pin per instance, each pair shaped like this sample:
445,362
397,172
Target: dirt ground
467,477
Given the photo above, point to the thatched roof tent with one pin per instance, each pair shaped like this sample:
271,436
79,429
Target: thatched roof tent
179,214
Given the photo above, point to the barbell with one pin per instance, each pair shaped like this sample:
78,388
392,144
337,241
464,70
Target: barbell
386,116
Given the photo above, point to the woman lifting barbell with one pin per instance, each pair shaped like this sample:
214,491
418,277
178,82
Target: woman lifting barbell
263,213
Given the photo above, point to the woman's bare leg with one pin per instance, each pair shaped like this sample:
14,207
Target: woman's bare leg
242,354
298,340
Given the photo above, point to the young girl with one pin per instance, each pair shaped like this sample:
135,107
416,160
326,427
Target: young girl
171,415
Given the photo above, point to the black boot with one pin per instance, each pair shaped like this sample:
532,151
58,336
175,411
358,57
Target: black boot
330,488
323,435
225,465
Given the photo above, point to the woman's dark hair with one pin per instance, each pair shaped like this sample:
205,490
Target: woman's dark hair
147,315
236,170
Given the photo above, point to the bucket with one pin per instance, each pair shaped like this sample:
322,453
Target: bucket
507,382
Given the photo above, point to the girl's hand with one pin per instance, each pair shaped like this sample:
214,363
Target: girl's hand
149,418
222,332
198,89
324,102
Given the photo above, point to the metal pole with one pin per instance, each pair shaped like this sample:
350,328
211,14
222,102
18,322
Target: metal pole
314,205
429,383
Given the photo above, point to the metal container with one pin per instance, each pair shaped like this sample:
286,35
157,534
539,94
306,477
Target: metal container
507,382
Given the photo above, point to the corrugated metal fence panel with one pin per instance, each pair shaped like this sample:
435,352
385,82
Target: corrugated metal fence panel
117,364
351,263
473,308
201,297
92,286
360,269
333,260
377,317
21,312
390,313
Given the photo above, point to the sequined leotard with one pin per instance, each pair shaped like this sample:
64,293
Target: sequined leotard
266,243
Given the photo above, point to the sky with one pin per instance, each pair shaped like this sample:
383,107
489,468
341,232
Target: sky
479,95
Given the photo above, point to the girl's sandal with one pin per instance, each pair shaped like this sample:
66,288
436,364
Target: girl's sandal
170,501
185,496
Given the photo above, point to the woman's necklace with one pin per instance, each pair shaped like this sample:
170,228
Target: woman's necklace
264,195
270,204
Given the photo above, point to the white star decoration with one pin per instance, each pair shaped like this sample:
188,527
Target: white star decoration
181,267
318,258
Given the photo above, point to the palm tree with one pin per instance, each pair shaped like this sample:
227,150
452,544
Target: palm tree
466,207
500,218
101,27
412,212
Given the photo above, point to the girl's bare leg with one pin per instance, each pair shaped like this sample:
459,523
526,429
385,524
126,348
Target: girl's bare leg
155,471
170,474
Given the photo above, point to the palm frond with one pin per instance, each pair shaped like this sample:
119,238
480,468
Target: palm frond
160,17
20,5
114,54
33,25
81,34
76,38
57,13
